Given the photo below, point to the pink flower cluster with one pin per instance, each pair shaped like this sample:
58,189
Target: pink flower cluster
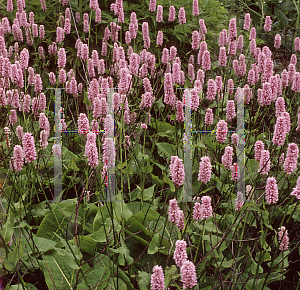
271,190
177,172
283,239
205,169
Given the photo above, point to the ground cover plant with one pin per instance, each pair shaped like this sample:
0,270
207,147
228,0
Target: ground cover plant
134,78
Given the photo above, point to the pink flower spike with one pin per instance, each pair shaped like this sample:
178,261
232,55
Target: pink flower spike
206,208
188,275
268,24
157,279
209,117
181,16
297,44
197,211
264,162
227,158
172,13
247,21
29,148
152,5
195,8
277,41
259,146
283,239
159,15
18,159
296,190
279,132
180,255
221,131
271,190
222,56
230,110
177,171
204,169
290,162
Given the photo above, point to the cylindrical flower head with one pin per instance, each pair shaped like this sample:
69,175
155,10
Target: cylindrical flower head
202,29
222,56
188,275
181,16
291,72
232,32
209,117
283,239
62,59
240,43
290,162
259,146
239,201
230,110
285,78
296,190
180,255
227,158
197,211
234,139
83,124
152,5
252,33
277,41
160,38
247,21
18,159
206,62
172,13
204,169
221,131
177,171
296,82
279,132
271,190
195,40
180,219
173,206
268,24
195,8
179,111
29,147
159,15
264,162
206,208
157,279
280,106
211,90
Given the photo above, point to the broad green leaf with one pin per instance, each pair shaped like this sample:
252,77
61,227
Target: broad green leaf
166,148
154,244
144,280
44,244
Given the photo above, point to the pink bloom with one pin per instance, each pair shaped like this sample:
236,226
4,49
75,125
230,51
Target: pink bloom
266,94
83,124
157,279
235,172
285,78
62,59
296,190
227,157
195,40
280,106
152,5
268,24
98,15
223,38
109,152
258,148
173,206
252,33
38,83
42,32
251,77
267,70
18,159
293,59
222,56
221,131
181,16
296,82
44,139
297,44
283,239
179,109
230,86
234,139
197,212
292,72
10,6
134,63
232,47
176,73
195,99
160,38
52,78
253,47
209,117
180,219
20,133
60,35
91,152
287,119
188,275
274,87
202,28
159,15
206,208
67,27
211,90
232,33
247,21
204,169
13,117
240,43
277,41
29,148
180,255
264,162
271,190
290,162
146,37
177,172
195,8
279,132
94,4
230,110
171,13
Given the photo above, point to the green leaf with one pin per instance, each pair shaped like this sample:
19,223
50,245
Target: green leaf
154,244
87,244
148,193
6,230
13,258
43,244
144,280
169,273
166,148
